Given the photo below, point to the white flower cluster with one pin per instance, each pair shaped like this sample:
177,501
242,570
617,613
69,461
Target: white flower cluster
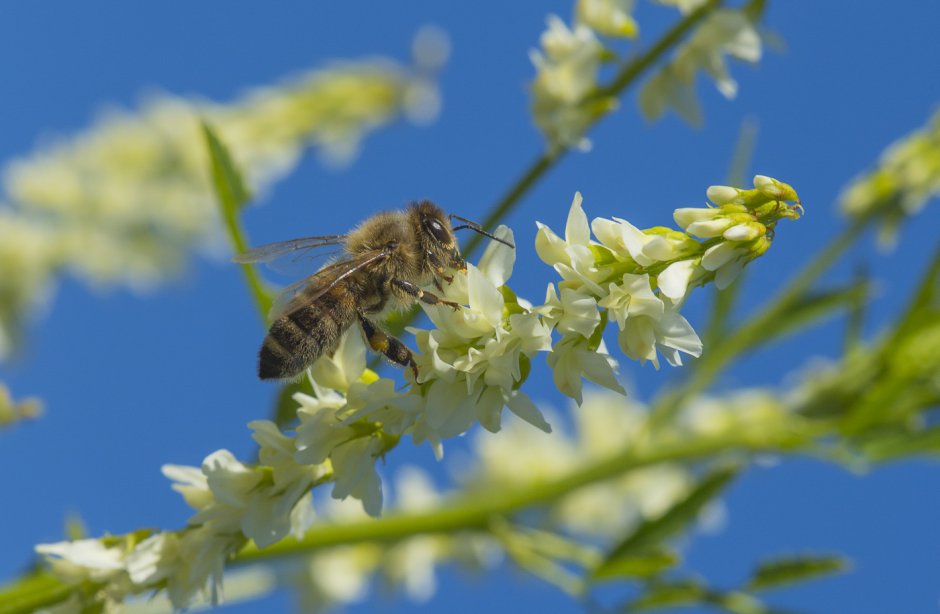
234,502
907,176
614,273
725,32
125,201
471,365
640,278
566,77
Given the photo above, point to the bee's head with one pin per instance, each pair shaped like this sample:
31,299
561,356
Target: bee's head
436,235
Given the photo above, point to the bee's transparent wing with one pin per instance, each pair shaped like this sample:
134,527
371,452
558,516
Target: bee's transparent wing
312,287
290,252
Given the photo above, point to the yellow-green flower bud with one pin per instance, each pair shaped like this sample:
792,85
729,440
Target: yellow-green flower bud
724,195
773,189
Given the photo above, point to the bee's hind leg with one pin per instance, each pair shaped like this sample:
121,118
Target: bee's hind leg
392,348
421,295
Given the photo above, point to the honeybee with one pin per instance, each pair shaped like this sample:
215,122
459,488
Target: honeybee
389,258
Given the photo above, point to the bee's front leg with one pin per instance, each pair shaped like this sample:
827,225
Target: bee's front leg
441,271
421,295
392,348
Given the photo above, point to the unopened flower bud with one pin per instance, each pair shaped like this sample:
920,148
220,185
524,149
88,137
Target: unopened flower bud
747,231
776,190
723,194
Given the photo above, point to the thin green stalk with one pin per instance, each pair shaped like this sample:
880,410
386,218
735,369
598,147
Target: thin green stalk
750,333
259,292
475,512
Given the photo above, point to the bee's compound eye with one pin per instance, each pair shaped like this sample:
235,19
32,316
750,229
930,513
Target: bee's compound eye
438,231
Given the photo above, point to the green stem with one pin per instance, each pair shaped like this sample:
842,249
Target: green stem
475,512
259,293
749,334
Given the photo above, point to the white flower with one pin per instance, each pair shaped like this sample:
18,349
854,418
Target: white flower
632,297
670,334
380,402
84,559
627,242
609,17
321,429
727,261
574,312
572,361
354,470
202,558
153,559
724,32
675,278
191,483
345,366
572,257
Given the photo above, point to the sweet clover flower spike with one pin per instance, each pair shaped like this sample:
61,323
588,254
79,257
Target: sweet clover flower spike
907,176
566,75
640,278
724,32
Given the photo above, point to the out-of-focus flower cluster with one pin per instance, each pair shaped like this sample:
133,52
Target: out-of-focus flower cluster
567,66
125,201
906,177
723,33
12,411
606,424
640,278
567,96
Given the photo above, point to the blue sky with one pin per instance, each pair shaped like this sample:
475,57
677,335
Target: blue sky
135,381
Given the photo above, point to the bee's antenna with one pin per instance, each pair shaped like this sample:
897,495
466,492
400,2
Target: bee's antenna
477,228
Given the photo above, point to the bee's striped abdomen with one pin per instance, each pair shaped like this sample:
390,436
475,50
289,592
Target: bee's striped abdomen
298,338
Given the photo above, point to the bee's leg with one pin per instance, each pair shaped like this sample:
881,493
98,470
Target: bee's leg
394,350
439,268
421,295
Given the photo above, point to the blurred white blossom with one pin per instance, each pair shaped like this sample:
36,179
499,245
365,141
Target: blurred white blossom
905,178
724,32
608,17
566,76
